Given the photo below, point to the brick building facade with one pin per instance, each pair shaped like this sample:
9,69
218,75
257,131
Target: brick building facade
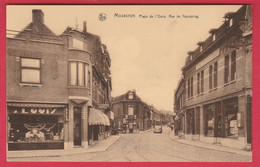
49,88
131,113
213,100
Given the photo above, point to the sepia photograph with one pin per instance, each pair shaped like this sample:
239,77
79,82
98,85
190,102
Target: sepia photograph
129,83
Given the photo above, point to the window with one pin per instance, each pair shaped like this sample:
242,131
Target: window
28,125
79,74
230,22
202,81
226,72
215,74
210,77
30,70
191,86
198,83
130,95
233,65
130,110
214,37
200,48
188,88
77,43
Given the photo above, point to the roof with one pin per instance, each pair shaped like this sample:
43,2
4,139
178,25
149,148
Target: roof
39,31
123,96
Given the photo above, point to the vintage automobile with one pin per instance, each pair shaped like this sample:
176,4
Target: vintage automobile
157,129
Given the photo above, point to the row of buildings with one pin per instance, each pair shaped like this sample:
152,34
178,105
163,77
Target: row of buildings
131,114
58,88
213,99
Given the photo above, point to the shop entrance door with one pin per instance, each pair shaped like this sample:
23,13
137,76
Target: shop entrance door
77,127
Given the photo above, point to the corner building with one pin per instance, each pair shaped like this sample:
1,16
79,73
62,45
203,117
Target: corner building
131,113
49,87
217,106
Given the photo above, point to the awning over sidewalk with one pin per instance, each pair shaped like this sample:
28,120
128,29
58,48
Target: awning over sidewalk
97,117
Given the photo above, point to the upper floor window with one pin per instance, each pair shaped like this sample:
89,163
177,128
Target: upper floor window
233,65
188,88
198,83
130,110
202,81
130,95
230,22
79,74
214,37
77,43
215,74
210,77
191,86
200,48
226,72
30,70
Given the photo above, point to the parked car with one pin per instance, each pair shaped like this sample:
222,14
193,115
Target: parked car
157,129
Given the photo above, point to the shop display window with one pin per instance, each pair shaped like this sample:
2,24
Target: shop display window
231,122
29,128
209,122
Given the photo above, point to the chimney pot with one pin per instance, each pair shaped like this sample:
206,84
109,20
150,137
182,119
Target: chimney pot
38,16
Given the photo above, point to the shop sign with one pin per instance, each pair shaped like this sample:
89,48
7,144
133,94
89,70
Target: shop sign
103,106
36,111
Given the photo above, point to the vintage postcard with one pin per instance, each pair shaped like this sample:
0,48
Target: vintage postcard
129,83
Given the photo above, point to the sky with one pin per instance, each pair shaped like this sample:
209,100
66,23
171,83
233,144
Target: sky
147,51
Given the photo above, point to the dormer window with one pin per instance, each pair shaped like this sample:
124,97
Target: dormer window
130,96
77,44
190,57
102,49
200,48
214,37
230,22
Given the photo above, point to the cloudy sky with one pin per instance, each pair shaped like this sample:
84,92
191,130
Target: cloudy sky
147,53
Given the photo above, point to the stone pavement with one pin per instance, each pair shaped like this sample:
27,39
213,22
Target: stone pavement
100,146
209,146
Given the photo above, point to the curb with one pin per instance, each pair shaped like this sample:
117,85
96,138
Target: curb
229,151
65,154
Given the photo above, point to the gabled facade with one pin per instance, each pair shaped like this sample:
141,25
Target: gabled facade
131,113
49,88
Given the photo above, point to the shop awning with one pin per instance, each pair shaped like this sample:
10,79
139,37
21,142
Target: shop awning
96,117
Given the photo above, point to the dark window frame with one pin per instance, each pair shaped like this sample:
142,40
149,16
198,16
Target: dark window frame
233,65
215,75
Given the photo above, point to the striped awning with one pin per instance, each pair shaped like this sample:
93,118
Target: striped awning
97,117
36,105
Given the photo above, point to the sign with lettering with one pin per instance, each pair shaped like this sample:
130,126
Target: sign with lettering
36,111
103,106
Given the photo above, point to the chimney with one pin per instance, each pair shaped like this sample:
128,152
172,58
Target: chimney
37,16
84,27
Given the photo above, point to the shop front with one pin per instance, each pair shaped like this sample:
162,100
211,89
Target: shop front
98,126
35,126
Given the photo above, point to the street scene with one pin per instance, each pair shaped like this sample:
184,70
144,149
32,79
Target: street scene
127,83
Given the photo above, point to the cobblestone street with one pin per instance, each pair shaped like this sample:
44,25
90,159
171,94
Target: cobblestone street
149,147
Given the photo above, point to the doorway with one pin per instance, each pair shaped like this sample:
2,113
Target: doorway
77,126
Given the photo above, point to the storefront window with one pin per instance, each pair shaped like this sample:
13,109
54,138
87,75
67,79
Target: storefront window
209,121
231,122
35,125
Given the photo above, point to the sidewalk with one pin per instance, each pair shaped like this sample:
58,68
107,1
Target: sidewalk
100,146
209,146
